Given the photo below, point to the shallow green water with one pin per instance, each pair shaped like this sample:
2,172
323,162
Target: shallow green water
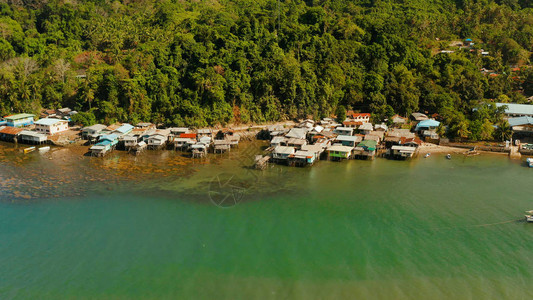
425,229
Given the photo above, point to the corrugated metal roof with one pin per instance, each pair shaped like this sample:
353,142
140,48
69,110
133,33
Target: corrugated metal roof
125,128
427,124
520,121
349,138
48,121
517,109
284,150
18,116
11,130
338,148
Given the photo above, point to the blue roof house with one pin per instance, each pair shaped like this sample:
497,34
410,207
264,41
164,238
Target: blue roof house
124,129
427,125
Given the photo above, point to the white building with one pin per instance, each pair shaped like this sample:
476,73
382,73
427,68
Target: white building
51,126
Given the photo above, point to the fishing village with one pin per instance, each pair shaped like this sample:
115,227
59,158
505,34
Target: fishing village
299,144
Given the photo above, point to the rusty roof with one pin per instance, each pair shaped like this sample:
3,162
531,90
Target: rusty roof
11,130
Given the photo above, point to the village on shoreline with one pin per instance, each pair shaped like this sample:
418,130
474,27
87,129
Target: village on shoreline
301,143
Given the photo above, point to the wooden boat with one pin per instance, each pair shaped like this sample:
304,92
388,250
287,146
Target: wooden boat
529,216
28,150
448,156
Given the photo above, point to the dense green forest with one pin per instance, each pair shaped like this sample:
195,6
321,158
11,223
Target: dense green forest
201,63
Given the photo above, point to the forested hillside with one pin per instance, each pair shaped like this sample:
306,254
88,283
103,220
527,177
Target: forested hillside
201,63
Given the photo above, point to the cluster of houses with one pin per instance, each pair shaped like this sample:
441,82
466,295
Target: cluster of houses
24,129
355,138
143,136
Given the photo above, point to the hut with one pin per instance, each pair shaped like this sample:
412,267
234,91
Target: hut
32,137
317,150
157,140
139,148
123,129
19,120
339,152
419,116
402,152
296,143
348,141
366,128
182,143
222,146
106,144
204,132
145,125
366,149
297,133
130,141
276,130
427,125
301,158
10,134
278,141
282,153
91,133
199,150
344,131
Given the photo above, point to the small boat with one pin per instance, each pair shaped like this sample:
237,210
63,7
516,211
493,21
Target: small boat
448,156
44,149
530,162
427,155
529,216
28,150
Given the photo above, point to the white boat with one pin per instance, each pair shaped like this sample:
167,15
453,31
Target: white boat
529,216
448,156
427,155
44,149
530,162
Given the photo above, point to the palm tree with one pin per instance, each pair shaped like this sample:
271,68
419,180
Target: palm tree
504,131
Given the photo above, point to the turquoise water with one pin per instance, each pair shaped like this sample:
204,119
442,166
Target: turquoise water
424,229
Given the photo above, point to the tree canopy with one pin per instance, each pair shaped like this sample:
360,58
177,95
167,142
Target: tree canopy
199,63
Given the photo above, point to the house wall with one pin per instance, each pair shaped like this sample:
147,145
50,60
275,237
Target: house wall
52,129
20,122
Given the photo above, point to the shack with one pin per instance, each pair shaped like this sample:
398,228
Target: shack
123,129
344,130
402,152
182,143
366,128
32,137
130,141
19,120
365,149
301,159
296,143
348,141
199,150
427,125
339,152
282,153
157,140
297,133
91,133
10,134
106,144
204,132
222,146
278,141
